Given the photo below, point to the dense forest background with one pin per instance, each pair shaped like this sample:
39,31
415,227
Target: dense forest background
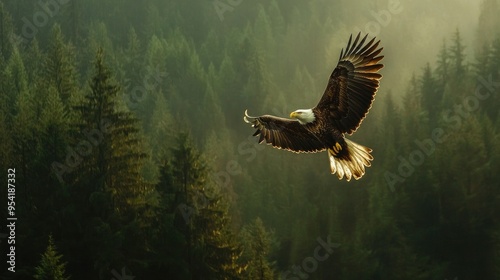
123,121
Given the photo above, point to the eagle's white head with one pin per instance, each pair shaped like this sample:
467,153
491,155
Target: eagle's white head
304,116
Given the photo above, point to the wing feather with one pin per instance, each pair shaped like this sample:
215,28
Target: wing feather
285,134
352,85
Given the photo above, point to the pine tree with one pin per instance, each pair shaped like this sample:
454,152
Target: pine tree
488,23
133,60
212,109
6,33
264,38
99,38
35,61
258,247
50,267
118,149
226,84
492,72
277,20
202,214
107,185
431,97
208,50
258,79
15,82
153,82
482,67
60,67
457,57
152,25
443,65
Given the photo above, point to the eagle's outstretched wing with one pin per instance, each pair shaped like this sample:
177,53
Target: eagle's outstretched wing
284,134
352,85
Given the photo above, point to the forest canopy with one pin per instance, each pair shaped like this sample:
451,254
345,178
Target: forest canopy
123,121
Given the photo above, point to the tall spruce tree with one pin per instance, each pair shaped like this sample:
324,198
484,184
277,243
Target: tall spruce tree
107,186
51,267
431,96
257,249
443,66
457,56
202,214
60,66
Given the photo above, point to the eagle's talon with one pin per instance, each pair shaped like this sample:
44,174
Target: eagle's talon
339,147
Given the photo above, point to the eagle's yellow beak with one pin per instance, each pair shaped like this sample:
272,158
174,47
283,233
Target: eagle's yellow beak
293,115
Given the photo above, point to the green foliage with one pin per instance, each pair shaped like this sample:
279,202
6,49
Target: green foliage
258,248
50,267
431,96
202,214
60,69
14,82
161,176
457,56
6,32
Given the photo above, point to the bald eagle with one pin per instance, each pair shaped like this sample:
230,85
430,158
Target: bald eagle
347,98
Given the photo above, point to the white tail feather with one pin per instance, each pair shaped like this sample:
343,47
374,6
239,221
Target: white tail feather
352,165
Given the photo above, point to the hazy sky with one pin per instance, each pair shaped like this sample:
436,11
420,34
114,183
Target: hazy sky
412,32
